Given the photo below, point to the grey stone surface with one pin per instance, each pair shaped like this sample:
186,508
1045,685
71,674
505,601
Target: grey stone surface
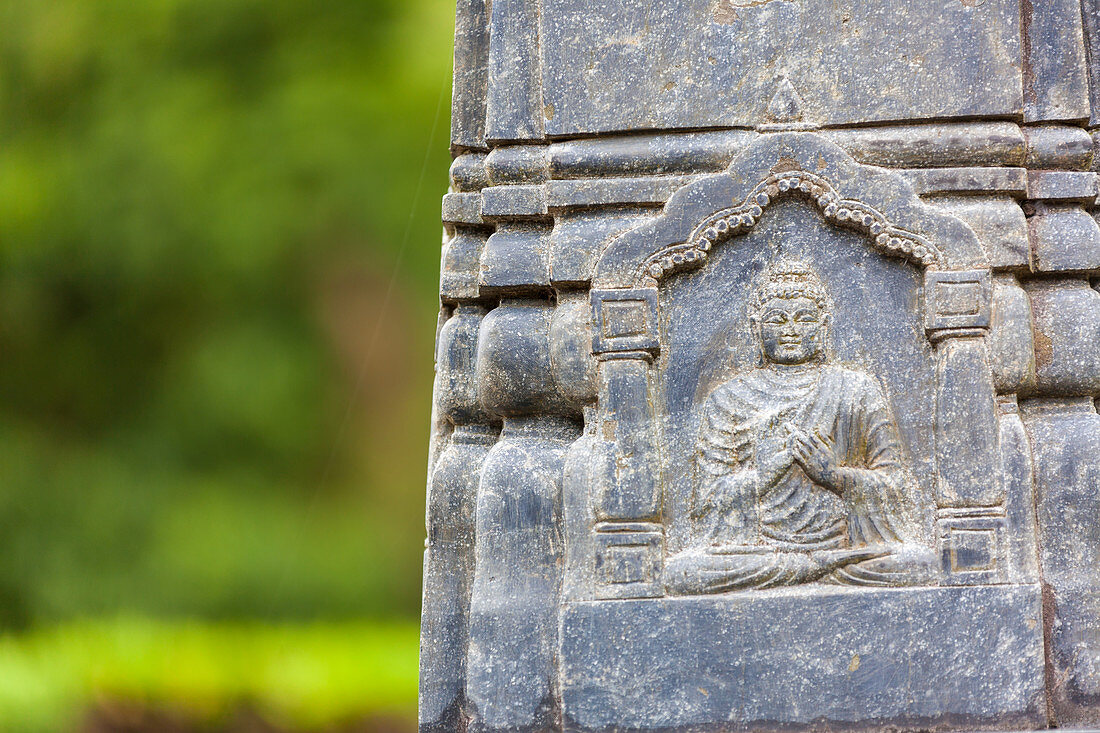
1066,325
580,236
471,74
934,145
767,367
462,208
1011,343
1058,146
624,191
670,65
1091,12
1011,181
685,152
1066,437
461,264
834,659
512,100
1017,473
1056,82
517,164
513,202
1065,186
468,172
925,145
997,221
516,258
1063,238
517,567
452,495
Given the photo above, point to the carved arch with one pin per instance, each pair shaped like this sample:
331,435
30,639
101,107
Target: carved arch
740,218
627,489
875,201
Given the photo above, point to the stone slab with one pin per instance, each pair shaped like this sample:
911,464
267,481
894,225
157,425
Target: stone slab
580,236
928,181
462,208
1063,238
1056,83
702,63
1090,10
998,222
471,75
1058,146
826,659
513,202
512,108
934,145
678,152
1061,186
613,191
926,145
1065,434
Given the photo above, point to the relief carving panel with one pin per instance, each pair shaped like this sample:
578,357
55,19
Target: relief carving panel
785,424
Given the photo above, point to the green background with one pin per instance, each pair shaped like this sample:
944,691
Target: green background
219,253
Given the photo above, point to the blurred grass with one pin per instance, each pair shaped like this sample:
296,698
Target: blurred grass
310,677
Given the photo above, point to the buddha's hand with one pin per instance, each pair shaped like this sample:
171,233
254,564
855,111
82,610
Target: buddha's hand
816,455
773,460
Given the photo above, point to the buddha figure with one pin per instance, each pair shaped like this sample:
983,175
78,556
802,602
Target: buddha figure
800,473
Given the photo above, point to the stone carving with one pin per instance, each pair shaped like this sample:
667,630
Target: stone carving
768,369
741,218
801,474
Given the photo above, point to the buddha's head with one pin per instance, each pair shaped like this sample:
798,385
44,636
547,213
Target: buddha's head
790,314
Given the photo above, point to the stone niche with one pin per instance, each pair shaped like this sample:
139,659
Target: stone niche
734,599
767,369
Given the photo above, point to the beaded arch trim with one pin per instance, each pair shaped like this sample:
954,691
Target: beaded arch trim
739,219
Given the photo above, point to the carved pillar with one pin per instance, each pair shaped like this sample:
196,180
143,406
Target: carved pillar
969,495
1066,435
1061,420
626,473
517,570
1013,361
452,492
574,371
579,512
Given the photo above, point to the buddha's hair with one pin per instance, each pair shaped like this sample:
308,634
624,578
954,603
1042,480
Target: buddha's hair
789,280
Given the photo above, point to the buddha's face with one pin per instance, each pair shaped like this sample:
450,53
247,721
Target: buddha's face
791,330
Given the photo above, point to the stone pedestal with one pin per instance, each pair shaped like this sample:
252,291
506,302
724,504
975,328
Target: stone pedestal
826,660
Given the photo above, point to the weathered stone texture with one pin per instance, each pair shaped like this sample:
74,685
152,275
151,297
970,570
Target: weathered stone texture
1056,75
672,65
656,665
1065,434
767,369
1066,321
452,495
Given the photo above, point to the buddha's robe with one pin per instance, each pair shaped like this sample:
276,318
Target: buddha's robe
760,521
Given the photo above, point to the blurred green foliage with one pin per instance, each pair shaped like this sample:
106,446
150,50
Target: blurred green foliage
308,677
218,264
